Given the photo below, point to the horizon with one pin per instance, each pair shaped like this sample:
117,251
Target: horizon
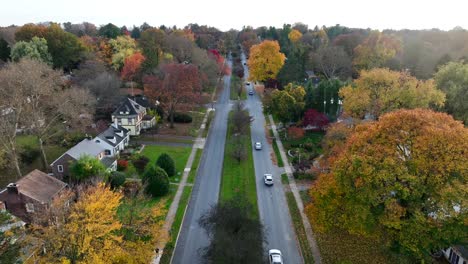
400,15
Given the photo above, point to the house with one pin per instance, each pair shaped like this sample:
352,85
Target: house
311,76
61,166
31,194
133,117
114,139
457,255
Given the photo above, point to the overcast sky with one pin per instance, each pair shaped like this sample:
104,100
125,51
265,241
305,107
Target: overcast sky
376,14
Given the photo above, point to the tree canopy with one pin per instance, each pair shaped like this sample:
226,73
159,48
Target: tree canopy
265,60
35,49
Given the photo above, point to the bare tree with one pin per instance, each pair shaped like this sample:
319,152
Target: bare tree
332,61
240,119
239,150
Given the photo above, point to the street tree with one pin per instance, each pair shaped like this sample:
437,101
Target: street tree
265,60
452,78
177,87
378,91
402,178
35,49
236,236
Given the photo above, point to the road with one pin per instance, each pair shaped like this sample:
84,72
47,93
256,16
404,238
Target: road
272,203
206,189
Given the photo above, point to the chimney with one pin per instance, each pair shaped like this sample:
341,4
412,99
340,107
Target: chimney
115,123
12,188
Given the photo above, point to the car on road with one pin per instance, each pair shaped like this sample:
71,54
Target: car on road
268,179
258,146
251,92
275,256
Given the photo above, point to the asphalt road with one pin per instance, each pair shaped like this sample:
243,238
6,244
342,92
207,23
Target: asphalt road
206,189
272,203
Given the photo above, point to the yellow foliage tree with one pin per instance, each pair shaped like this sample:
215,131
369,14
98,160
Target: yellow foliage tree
265,60
376,50
378,91
295,35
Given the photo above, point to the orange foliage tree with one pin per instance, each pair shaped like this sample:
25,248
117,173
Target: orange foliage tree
403,177
132,66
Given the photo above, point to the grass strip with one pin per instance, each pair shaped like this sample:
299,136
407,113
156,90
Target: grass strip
277,153
195,164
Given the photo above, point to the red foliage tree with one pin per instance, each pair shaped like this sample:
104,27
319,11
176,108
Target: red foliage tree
122,165
132,66
178,87
315,119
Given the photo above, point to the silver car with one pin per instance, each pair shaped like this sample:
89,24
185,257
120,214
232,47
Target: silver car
268,179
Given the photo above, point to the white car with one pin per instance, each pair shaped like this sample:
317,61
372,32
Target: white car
251,92
247,83
258,145
275,256
268,179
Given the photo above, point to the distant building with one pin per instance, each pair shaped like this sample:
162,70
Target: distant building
457,255
133,117
31,194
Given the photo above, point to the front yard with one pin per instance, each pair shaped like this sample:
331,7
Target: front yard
178,154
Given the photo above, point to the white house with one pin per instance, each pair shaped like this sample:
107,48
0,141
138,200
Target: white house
132,116
113,140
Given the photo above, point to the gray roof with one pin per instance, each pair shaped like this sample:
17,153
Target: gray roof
128,107
112,132
107,161
85,147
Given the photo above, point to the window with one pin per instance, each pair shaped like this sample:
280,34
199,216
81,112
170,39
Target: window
107,152
119,121
60,168
30,208
130,121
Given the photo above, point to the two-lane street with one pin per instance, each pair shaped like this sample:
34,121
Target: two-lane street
206,189
272,203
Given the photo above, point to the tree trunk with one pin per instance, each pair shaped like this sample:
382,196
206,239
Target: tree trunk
14,155
172,118
44,156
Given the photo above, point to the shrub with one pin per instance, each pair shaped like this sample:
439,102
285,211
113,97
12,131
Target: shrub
29,154
116,179
181,118
131,187
295,132
166,163
305,175
139,162
122,165
156,181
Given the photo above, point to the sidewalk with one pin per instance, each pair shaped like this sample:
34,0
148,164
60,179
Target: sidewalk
297,197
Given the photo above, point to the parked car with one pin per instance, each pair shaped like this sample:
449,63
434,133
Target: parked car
268,179
258,146
275,256
251,92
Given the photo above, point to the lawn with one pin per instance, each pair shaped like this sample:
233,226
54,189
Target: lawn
179,154
239,178
297,222
310,137
236,83
277,154
195,164
169,248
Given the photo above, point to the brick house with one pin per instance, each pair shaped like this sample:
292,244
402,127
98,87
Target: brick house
31,194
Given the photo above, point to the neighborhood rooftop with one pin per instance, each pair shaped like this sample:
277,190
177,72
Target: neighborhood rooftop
85,147
128,107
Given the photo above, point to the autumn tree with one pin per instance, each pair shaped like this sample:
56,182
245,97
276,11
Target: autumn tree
289,103
177,87
452,78
295,35
28,31
402,178
375,50
132,66
123,47
378,91
35,49
85,231
265,60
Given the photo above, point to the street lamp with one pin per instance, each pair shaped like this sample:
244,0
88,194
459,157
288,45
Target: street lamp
325,106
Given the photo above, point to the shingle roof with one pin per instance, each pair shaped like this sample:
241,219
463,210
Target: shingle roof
128,107
107,161
141,100
40,186
113,131
85,147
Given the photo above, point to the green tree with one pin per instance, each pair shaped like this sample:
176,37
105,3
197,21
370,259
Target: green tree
156,181
123,47
117,179
378,91
4,50
35,49
65,48
109,31
152,42
452,78
166,163
288,104
86,167
402,178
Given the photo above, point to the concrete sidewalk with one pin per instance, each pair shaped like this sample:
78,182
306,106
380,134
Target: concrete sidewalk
297,197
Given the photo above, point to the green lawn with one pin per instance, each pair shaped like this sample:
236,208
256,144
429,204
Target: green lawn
239,178
193,170
277,154
169,248
297,222
236,83
197,119
179,154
